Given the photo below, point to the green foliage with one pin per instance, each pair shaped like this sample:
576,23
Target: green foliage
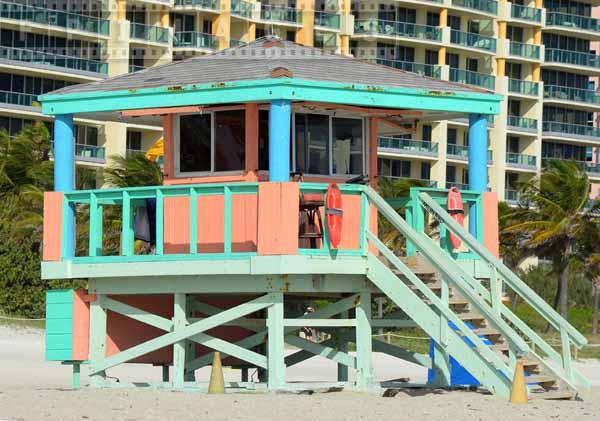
136,170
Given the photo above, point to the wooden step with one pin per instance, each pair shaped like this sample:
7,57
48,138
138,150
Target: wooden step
561,395
486,331
454,301
470,316
500,347
419,265
541,380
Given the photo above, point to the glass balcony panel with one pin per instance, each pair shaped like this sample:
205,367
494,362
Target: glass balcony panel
526,13
528,51
523,87
418,68
487,6
571,94
192,39
327,20
520,159
572,57
38,57
571,129
280,14
409,145
470,39
203,4
149,33
401,29
472,78
568,20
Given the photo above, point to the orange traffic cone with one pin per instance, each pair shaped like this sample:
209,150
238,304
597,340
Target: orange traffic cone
518,392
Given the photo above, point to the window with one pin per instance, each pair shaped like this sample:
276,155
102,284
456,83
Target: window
433,19
427,133
450,174
425,170
328,145
452,136
401,168
134,140
211,142
263,140
512,145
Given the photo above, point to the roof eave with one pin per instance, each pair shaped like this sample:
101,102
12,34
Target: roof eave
270,89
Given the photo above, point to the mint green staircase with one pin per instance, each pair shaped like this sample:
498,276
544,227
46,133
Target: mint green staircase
434,289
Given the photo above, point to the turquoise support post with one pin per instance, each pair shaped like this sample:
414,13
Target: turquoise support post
76,375
275,343
64,172
364,343
477,162
280,117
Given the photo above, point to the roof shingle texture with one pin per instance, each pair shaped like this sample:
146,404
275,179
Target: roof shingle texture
256,61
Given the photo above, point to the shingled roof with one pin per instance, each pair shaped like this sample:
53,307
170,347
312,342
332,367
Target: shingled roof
267,58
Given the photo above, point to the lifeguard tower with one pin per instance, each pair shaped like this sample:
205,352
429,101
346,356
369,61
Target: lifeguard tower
233,264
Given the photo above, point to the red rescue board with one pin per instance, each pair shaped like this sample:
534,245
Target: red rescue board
457,212
335,214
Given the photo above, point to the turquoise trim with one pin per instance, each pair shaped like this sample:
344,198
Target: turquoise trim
59,325
270,89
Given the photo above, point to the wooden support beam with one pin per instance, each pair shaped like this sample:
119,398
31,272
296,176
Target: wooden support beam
183,333
364,342
372,112
97,336
177,110
322,350
275,343
179,322
401,353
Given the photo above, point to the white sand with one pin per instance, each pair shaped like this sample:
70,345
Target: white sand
31,389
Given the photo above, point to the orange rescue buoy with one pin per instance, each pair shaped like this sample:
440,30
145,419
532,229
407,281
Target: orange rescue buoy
456,211
334,214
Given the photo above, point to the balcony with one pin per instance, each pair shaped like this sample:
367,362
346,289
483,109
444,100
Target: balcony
529,124
327,20
521,160
591,168
473,78
417,147
50,17
462,152
572,58
523,87
397,29
241,8
511,195
236,43
526,51
325,40
460,186
155,34
88,153
199,4
134,68
280,14
486,6
568,129
529,14
17,98
564,93
574,22
191,40
428,183
418,68
472,40
38,57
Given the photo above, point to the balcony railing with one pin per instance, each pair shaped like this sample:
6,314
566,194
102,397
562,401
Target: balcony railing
327,20
571,94
418,68
487,6
472,78
149,33
241,8
408,145
88,152
572,21
462,152
17,98
526,13
460,186
588,167
428,183
528,51
572,57
280,14
326,40
202,4
134,68
571,129
521,159
523,87
190,39
399,29
470,39
236,43
50,17
511,195
38,57
522,122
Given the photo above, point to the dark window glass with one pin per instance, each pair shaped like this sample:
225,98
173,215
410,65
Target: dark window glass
312,143
134,140
230,145
450,173
194,143
425,170
347,146
427,133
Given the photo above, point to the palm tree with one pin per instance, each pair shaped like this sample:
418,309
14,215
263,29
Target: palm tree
133,171
556,218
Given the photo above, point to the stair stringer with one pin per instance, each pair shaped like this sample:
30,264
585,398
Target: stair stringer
490,376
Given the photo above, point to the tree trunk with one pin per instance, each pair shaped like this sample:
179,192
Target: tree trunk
596,289
554,303
564,284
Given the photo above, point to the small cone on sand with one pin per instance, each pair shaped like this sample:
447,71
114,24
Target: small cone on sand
518,392
217,383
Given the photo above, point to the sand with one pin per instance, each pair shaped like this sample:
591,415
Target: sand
31,389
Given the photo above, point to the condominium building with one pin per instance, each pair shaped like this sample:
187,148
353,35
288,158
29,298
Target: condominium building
540,55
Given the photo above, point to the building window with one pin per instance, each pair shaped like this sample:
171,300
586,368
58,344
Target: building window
425,170
427,133
211,142
134,140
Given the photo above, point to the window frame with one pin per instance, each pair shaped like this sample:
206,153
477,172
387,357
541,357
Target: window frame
177,148
332,115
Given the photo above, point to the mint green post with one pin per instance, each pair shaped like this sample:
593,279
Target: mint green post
275,343
441,359
364,343
179,322
76,375
342,345
97,337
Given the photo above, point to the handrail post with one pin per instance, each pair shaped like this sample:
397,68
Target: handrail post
566,353
440,357
495,290
193,221
160,216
